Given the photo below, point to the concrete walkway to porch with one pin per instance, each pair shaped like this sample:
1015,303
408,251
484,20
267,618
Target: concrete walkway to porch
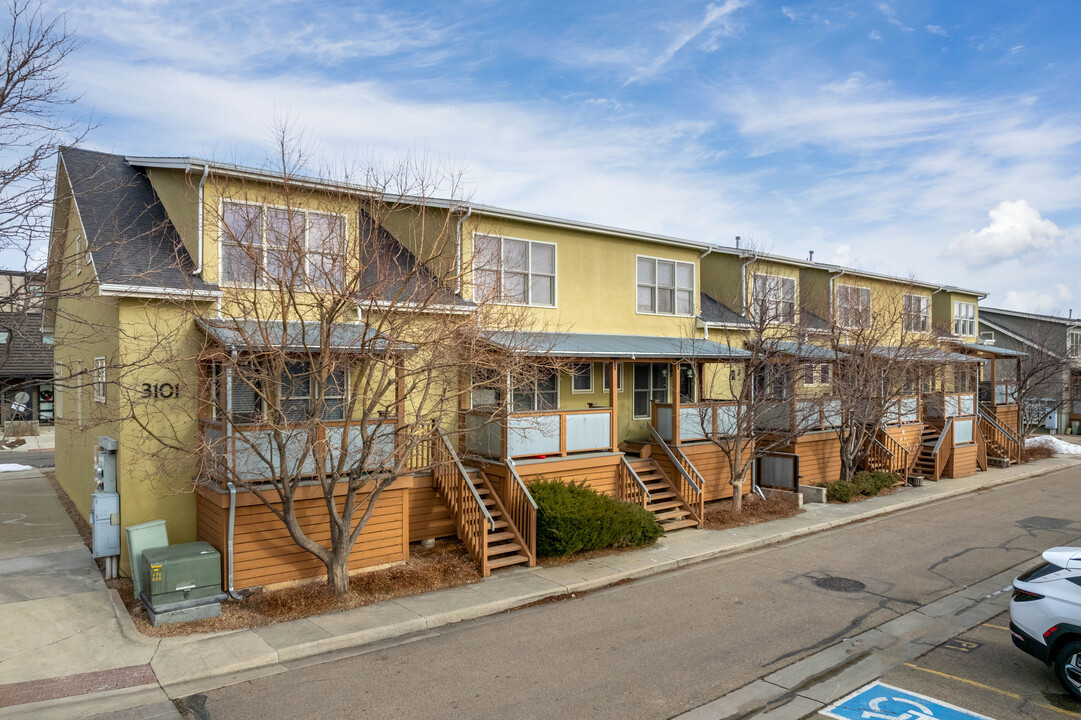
69,649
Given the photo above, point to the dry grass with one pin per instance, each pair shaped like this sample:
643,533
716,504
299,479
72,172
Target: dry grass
719,515
446,565
1036,452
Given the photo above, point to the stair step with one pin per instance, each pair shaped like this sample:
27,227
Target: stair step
501,523
662,495
678,524
507,560
676,514
504,548
664,505
499,536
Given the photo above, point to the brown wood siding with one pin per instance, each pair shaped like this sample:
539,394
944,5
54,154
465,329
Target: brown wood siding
710,462
962,463
600,472
264,553
429,516
908,436
1007,416
819,457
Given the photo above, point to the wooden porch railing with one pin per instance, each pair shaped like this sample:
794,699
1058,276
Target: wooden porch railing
531,434
471,518
981,447
888,455
521,508
631,487
999,437
421,446
692,493
943,448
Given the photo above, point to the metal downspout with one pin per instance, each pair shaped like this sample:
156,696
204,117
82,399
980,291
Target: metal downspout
743,283
833,297
228,422
199,249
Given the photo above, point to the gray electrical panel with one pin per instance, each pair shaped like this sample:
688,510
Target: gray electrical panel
105,523
105,465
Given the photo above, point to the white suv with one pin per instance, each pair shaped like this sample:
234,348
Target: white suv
1045,614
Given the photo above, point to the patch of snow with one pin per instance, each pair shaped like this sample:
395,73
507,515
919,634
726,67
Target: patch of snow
1059,447
12,467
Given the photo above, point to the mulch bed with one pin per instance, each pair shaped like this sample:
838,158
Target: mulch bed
719,515
1036,452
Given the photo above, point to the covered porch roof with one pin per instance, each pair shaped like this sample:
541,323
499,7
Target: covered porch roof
926,355
628,347
993,351
296,336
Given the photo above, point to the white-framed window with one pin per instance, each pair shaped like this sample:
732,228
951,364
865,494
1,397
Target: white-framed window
825,374
665,287
300,388
773,298
487,387
58,392
1073,343
607,367
542,394
916,313
582,378
964,319
99,380
78,253
265,242
816,373
79,391
513,271
650,385
810,373
853,306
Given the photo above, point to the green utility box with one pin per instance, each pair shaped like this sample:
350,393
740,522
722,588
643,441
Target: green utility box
179,573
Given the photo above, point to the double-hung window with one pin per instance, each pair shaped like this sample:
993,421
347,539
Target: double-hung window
514,272
487,387
665,287
543,394
773,298
619,377
291,246
1073,343
917,313
853,306
808,374
650,384
964,319
582,378
300,389
99,380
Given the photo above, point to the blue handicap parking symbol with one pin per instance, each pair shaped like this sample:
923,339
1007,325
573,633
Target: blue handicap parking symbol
879,701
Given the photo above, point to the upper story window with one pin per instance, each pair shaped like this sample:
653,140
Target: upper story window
1073,343
260,243
853,306
964,319
774,298
665,287
917,313
515,272
536,396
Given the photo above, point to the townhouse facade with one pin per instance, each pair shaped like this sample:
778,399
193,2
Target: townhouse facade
640,344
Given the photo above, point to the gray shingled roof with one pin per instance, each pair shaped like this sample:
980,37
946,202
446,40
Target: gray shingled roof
589,345
804,351
131,239
812,321
715,312
25,354
992,350
293,335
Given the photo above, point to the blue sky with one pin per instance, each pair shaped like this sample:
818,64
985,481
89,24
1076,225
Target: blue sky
932,139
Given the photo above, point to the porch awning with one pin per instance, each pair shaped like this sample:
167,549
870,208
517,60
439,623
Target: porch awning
803,351
631,347
926,355
295,336
995,351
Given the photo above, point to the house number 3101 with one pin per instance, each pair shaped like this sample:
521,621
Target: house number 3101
163,391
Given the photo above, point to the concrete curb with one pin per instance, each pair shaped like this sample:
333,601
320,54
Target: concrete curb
199,663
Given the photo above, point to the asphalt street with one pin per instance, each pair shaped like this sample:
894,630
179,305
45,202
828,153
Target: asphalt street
33,458
660,646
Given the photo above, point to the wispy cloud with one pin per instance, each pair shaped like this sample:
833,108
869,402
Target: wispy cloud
716,22
937,30
891,16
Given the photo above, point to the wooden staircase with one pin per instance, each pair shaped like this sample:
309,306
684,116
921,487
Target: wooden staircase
665,502
925,460
505,546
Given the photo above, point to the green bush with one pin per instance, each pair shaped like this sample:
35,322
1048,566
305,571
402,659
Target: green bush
872,483
841,491
572,518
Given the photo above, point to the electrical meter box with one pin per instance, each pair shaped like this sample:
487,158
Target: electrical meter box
105,524
181,573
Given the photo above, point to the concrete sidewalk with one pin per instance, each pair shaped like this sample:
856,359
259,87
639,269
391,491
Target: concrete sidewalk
44,442
74,638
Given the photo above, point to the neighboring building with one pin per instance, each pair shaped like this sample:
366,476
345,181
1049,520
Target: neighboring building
1052,337
638,322
26,354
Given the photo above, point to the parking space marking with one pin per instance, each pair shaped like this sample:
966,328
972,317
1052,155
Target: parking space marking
996,627
1058,709
1007,693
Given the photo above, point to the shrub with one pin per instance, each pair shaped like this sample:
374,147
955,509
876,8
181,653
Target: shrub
572,518
841,491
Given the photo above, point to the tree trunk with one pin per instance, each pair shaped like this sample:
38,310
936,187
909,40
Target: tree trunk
338,572
737,496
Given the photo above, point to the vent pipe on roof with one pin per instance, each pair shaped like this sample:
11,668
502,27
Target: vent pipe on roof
737,242
811,256
1071,314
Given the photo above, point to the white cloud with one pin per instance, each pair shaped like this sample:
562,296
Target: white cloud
937,30
1016,231
717,21
875,35
843,255
891,16
1038,301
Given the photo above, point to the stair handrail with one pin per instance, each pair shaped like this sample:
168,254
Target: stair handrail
1011,438
513,468
875,441
464,476
675,461
638,480
947,429
687,464
981,446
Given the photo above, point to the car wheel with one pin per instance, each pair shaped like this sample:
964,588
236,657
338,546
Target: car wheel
1068,667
